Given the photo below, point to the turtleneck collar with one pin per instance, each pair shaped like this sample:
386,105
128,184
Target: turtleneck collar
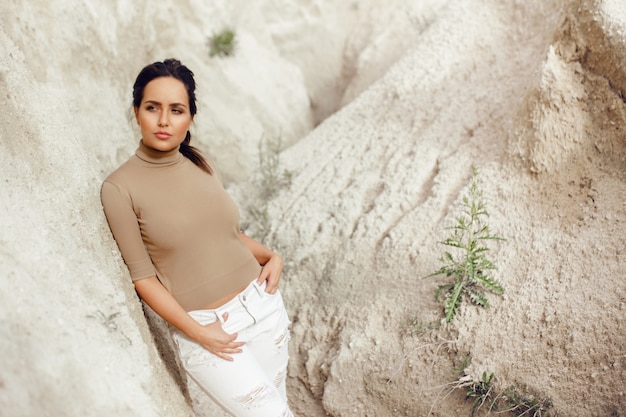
158,157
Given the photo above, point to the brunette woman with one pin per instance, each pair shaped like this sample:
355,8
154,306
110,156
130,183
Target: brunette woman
178,232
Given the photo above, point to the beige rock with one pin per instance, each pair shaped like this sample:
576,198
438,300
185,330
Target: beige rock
531,93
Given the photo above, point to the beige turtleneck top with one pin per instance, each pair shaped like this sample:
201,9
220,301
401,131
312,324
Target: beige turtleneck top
172,220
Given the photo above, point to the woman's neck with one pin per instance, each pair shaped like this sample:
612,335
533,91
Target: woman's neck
155,156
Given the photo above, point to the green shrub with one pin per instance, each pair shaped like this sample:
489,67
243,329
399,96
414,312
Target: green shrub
271,181
470,267
523,403
222,44
481,392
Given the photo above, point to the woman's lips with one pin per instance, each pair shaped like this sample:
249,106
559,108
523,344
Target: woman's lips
162,135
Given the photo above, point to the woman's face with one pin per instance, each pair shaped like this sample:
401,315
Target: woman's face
163,115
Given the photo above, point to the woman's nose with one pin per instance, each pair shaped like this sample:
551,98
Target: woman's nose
163,120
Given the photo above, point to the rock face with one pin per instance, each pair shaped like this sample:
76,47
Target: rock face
74,337
530,93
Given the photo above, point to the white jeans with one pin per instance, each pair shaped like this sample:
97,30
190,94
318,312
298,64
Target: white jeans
253,384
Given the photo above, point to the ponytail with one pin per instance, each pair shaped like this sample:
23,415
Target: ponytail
194,155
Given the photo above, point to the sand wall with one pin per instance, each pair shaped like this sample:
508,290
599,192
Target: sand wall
530,93
74,336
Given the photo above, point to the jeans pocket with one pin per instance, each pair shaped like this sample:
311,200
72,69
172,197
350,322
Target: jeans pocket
268,305
275,295
262,289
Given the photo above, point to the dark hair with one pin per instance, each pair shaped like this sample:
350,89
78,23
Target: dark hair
173,68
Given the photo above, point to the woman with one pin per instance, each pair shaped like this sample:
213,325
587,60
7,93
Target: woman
178,232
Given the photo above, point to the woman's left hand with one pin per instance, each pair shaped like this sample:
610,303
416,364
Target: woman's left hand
271,273
272,263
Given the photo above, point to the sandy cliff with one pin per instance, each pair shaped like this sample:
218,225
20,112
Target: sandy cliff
74,338
533,96
530,93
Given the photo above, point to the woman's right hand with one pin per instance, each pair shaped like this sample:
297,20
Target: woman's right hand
213,338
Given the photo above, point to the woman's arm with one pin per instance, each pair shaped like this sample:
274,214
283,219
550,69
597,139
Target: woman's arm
272,263
212,337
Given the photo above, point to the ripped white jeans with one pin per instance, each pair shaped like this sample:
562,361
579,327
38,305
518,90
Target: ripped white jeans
254,383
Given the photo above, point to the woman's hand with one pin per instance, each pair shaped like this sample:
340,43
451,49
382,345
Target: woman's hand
213,338
272,263
271,273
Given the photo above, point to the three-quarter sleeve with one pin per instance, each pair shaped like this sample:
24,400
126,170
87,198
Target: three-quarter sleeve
125,228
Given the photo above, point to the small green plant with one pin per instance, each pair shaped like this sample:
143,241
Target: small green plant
481,391
470,267
222,44
511,402
525,404
261,219
107,321
272,180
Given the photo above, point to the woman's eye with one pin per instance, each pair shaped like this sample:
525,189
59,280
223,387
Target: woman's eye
150,108
177,111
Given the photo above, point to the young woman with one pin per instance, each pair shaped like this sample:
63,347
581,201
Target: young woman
178,232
